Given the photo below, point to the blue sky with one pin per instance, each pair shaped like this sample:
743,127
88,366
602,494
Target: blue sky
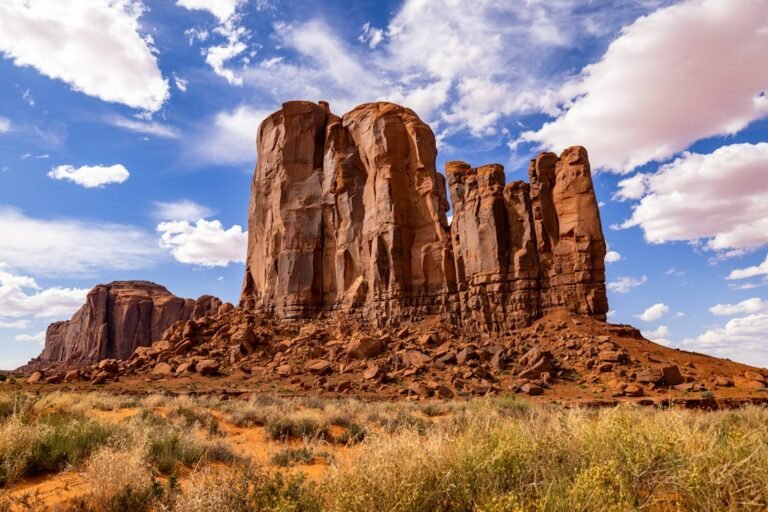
127,132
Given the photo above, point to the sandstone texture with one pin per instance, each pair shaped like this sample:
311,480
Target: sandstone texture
349,214
119,317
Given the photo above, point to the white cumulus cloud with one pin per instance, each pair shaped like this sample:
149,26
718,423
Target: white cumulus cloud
232,137
659,335
5,125
21,296
653,313
741,339
14,324
686,72
90,176
95,46
754,305
183,209
745,273
66,247
612,257
720,198
625,284
38,338
204,242
222,9
147,127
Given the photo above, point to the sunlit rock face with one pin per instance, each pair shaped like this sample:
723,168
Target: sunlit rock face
119,317
349,214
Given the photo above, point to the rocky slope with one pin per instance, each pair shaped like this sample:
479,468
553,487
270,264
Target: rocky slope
117,318
349,214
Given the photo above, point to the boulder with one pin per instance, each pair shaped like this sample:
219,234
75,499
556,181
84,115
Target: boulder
633,390
318,366
72,376
649,375
185,368
162,370
672,375
363,347
373,371
207,367
35,378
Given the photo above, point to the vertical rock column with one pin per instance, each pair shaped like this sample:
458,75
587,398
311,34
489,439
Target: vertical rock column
284,266
393,250
569,233
493,247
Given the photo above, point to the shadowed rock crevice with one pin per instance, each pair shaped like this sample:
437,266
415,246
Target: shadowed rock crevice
349,214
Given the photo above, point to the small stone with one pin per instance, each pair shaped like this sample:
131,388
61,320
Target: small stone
610,356
318,366
723,381
531,389
372,372
633,390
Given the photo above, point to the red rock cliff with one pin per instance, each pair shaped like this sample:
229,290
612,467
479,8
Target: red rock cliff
349,213
119,317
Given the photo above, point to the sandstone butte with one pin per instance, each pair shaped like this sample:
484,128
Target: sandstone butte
350,214
357,283
119,317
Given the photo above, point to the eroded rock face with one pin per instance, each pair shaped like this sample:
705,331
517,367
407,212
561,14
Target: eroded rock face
349,214
119,317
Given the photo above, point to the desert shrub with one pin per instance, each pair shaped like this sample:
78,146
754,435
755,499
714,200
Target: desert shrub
291,456
65,439
47,445
166,448
353,434
289,427
248,416
191,416
245,487
120,481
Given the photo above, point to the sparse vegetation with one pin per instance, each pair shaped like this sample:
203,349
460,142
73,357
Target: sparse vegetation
486,455
291,456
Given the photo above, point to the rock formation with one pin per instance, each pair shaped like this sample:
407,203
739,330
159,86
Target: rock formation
349,214
119,317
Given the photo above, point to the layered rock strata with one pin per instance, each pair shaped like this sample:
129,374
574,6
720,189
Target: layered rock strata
119,317
349,214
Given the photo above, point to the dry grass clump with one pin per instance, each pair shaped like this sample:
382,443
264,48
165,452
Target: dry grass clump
47,444
245,488
620,459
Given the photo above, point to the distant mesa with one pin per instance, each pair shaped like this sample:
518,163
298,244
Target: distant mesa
349,214
117,318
